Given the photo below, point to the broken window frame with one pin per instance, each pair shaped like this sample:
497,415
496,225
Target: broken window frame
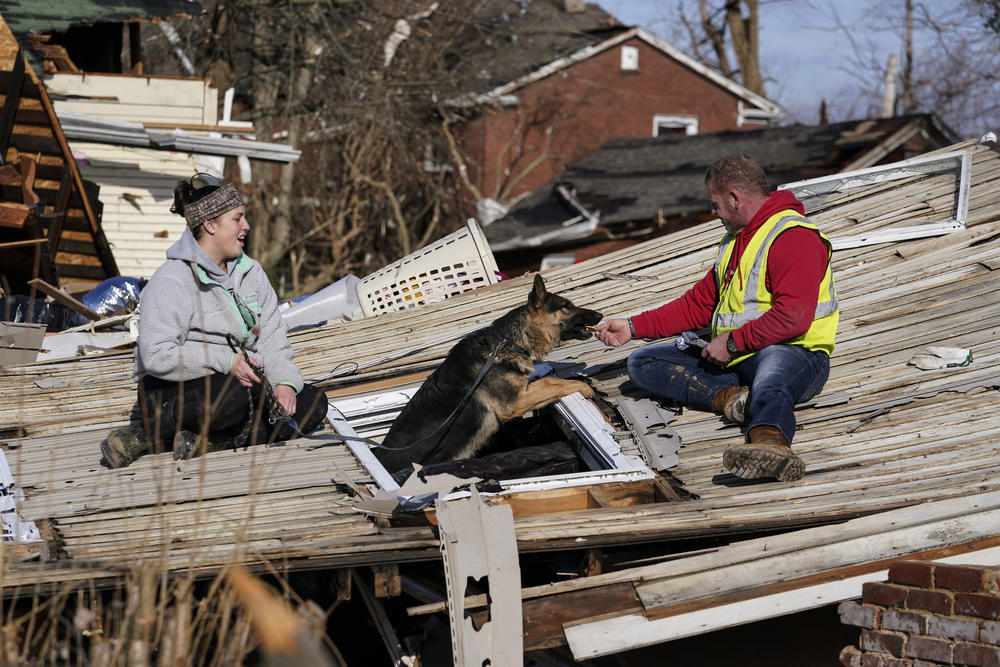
817,189
370,416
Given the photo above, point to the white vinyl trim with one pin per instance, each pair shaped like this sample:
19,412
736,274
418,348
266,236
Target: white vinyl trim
817,189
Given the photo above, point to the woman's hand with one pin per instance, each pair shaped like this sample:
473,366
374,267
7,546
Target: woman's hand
286,397
614,332
243,371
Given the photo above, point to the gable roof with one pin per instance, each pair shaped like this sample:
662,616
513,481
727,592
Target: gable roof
514,38
638,179
760,107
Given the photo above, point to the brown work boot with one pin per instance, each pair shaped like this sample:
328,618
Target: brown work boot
767,454
122,446
731,402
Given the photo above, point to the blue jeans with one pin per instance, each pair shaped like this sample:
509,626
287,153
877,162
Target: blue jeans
779,376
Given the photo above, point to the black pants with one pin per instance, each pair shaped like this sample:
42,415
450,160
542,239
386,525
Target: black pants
224,405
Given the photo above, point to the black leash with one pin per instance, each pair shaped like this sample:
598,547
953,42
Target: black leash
334,437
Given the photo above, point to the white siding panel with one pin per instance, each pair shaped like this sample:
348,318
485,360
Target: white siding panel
150,113
136,190
136,184
161,93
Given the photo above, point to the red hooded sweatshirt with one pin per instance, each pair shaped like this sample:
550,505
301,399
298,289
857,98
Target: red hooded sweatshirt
795,267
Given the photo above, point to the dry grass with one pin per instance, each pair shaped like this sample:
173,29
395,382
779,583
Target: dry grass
155,618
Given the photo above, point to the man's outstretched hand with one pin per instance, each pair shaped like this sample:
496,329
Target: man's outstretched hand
614,332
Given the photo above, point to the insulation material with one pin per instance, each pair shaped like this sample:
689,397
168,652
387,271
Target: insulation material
937,357
14,528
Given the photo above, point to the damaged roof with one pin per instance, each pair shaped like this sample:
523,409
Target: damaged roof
630,182
34,17
883,435
520,36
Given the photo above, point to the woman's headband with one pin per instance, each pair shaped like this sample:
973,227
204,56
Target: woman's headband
226,198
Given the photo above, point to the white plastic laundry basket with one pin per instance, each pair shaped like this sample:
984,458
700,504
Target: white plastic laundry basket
457,263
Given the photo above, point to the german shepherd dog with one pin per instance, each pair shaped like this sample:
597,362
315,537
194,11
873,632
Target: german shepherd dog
443,422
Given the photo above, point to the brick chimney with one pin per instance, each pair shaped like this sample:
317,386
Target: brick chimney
927,614
574,6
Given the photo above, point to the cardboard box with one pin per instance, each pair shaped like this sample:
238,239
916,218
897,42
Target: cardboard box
20,342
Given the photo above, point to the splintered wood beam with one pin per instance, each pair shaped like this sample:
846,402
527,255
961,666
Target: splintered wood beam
478,544
620,632
11,101
57,218
63,298
544,618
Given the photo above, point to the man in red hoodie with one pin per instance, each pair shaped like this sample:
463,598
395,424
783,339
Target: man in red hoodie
770,306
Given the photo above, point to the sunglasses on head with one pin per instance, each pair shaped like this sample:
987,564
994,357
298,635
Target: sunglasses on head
203,180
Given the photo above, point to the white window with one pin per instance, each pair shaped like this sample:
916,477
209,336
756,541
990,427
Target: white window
955,166
666,124
630,59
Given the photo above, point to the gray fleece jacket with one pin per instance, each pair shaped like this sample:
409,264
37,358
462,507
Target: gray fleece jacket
190,304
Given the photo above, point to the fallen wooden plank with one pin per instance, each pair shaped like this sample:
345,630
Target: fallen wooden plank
620,633
64,298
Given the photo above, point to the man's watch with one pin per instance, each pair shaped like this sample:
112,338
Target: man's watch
731,347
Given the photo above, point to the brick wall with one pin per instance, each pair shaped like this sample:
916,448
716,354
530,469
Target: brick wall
564,117
926,614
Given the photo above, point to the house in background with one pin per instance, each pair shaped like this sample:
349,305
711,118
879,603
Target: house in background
132,136
635,188
558,105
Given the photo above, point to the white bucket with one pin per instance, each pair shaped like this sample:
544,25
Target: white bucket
459,262
337,302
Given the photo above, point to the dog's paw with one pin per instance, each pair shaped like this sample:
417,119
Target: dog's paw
583,388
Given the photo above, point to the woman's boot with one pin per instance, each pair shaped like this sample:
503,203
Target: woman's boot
124,445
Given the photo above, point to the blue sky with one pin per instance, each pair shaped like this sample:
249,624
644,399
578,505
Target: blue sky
804,56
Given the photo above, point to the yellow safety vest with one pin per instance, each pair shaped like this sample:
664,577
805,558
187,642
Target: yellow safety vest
737,306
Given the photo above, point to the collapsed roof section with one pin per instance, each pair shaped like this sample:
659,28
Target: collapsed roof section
136,136
884,434
635,184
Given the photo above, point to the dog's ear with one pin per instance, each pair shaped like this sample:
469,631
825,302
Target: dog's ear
538,292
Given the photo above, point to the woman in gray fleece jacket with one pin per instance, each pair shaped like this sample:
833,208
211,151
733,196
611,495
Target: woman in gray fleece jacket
208,322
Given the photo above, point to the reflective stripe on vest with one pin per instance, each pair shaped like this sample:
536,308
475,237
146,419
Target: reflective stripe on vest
818,336
751,306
